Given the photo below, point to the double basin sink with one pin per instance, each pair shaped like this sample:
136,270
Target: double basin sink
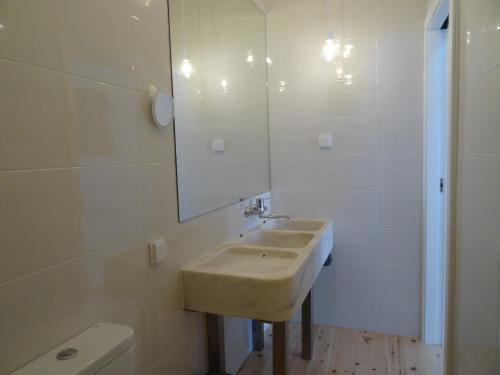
265,275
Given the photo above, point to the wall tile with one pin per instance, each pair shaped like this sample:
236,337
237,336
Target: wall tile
356,306
400,299
168,321
400,247
476,330
350,135
480,130
405,90
399,210
66,41
151,57
70,122
238,336
71,212
400,132
345,209
477,312
335,172
399,172
160,201
480,19
479,186
400,37
152,12
188,357
355,245
478,264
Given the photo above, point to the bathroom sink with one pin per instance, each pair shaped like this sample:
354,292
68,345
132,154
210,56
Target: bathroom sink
265,275
275,238
241,260
295,225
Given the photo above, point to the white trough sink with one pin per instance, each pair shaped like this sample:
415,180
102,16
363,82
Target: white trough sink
266,275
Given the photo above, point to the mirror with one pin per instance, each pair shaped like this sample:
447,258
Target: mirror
220,93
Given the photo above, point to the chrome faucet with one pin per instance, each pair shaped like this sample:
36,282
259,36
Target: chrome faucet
256,209
259,208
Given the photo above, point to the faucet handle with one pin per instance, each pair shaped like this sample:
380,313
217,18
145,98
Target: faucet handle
256,209
260,205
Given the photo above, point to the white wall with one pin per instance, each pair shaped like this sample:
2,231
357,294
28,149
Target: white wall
477,314
87,180
369,183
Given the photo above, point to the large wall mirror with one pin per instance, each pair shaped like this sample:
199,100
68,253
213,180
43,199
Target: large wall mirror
220,93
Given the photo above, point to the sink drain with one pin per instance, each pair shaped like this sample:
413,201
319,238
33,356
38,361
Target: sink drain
66,354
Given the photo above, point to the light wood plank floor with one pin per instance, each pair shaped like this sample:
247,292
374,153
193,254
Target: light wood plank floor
347,352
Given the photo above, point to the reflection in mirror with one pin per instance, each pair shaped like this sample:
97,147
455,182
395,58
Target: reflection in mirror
220,94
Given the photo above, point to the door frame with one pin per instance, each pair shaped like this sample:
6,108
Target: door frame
435,13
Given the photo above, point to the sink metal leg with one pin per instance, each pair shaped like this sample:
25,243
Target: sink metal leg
258,335
307,342
280,348
216,344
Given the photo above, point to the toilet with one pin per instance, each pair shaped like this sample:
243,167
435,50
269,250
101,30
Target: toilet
104,349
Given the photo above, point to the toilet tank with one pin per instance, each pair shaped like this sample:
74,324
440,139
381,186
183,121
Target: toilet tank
104,349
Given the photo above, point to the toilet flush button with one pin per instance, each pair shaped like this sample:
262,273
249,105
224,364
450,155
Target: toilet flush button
67,353
157,252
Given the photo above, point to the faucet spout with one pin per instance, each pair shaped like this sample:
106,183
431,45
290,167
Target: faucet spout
275,216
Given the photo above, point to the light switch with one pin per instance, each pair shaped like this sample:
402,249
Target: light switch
218,145
325,141
157,252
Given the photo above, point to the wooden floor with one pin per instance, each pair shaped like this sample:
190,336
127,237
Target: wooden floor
344,351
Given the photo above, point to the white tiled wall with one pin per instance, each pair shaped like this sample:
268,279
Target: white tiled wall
369,183
477,314
86,181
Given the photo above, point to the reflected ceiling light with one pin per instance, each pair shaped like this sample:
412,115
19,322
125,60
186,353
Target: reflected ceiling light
340,72
269,61
224,84
347,50
282,86
348,79
147,3
1,26
186,68
498,27
468,37
250,58
338,50
330,49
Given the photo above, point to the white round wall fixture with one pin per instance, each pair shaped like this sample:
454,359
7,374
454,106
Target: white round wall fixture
162,106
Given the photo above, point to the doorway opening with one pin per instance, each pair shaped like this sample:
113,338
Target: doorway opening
438,182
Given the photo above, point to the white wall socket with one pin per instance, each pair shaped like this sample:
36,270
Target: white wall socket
325,141
157,252
218,145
